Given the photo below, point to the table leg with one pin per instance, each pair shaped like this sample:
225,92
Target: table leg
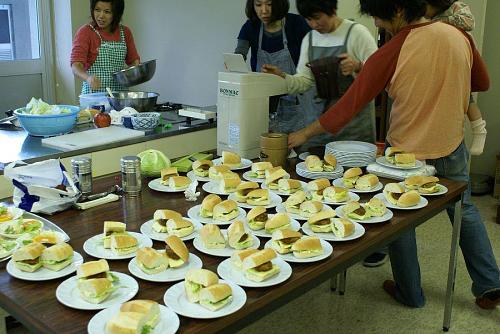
3,316
342,282
333,283
452,268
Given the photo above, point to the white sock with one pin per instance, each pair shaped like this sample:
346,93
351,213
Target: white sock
478,136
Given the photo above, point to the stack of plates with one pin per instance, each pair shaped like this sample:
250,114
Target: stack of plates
302,170
352,153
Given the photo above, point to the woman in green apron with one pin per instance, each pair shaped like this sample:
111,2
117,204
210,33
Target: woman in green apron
103,47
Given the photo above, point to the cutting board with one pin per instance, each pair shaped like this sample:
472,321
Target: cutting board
92,138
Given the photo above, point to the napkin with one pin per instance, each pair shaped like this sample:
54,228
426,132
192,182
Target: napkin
190,193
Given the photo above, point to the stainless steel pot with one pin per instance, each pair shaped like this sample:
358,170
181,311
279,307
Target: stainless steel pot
140,101
136,75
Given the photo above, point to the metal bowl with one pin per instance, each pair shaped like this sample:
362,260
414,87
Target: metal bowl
136,74
140,101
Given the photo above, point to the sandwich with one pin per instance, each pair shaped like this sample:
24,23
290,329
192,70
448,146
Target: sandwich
342,227
375,207
391,152
27,258
289,186
57,257
366,182
282,240
229,184
148,308
243,189
357,211
238,256
216,296
405,159
413,182
127,323
231,159
5,214
429,185
307,247
179,182
95,282
351,176
310,208
179,227
292,204
215,172
208,204
151,261
123,244
258,197
396,195
201,167
161,217
329,163
46,238
335,194
314,163
112,228
259,168
167,173
257,218
212,237
237,237
176,251
316,188
270,171
197,279
272,180
226,210
258,266
321,222
279,221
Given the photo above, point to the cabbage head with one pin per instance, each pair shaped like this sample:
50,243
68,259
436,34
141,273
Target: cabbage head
152,162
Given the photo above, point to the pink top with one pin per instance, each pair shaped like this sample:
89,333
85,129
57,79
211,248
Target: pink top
87,43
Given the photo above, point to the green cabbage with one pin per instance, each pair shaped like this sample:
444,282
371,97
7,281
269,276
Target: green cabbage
152,162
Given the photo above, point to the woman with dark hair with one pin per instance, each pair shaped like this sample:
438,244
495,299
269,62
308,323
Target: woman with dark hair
273,36
428,70
103,47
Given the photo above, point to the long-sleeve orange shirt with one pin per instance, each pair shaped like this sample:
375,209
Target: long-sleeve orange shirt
429,71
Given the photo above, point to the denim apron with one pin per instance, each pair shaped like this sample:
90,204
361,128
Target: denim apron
362,126
110,59
288,116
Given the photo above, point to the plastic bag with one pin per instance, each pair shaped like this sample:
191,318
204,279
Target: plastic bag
35,186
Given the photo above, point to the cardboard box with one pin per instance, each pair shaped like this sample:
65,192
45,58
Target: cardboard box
496,191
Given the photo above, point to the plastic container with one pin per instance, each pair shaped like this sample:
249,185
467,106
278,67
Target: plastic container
274,148
48,125
92,99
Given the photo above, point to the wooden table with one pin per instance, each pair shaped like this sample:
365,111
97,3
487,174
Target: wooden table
35,304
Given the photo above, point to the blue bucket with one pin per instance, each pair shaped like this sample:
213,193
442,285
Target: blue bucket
48,125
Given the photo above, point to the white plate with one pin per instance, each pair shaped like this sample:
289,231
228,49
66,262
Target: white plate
169,275
423,203
213,187
351,196
289,257
304,155
352,146
156,185
193,176
176,299
194,214
340,183
373,220
359,230
303,186
44,274
94,247
147,229
247,177
222,252
14,212
27,238
274,200
294,225
68,294
281,208
169,321
4,226
8,254
227,271
383,161
245,163
442,190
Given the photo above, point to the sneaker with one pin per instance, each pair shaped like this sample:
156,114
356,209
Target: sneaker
375,260
489,300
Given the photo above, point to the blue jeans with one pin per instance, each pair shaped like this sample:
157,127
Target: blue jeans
474,241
